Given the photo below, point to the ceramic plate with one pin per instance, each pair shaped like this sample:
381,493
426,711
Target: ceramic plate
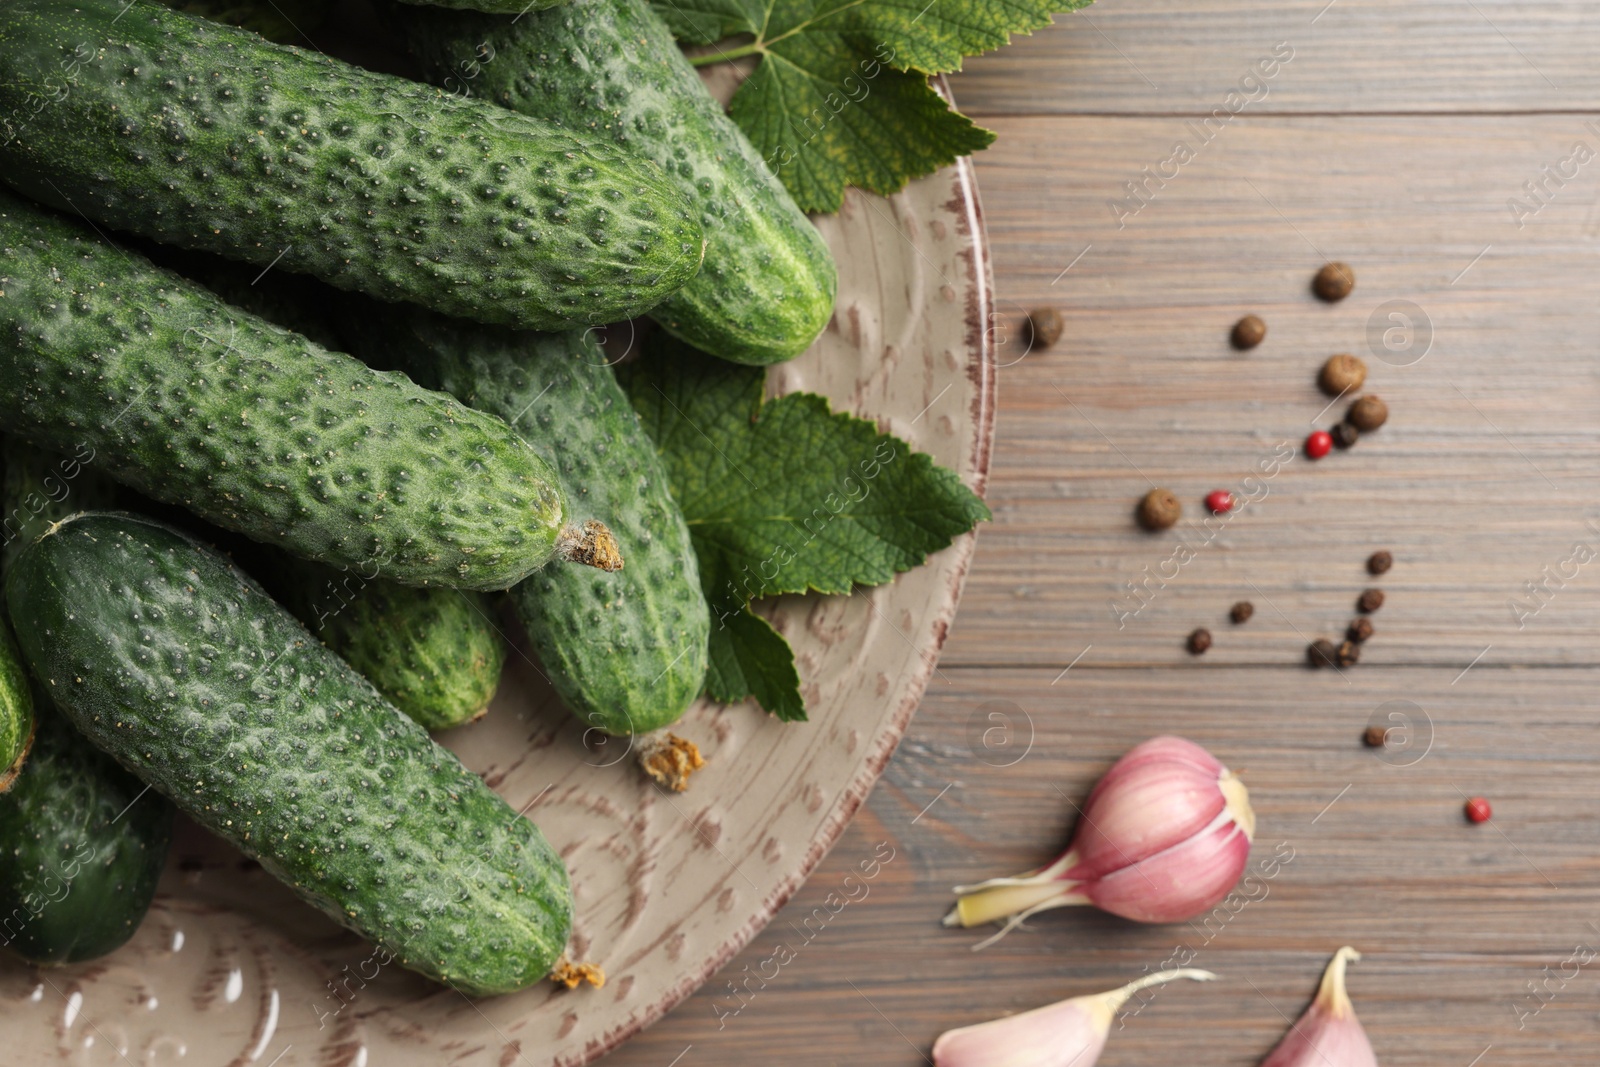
229,969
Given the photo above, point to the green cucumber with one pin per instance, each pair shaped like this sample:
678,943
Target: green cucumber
625,651
206,136
610,68
257,429
83,846
433,653
175,663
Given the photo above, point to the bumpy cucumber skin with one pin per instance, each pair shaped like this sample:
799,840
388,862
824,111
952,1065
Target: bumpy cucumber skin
206,136
255,428
81,850
433,653
610,68
625,651
171,660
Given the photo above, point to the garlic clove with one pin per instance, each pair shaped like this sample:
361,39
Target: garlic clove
1068,1033
1328,1034
1164,835
1181,882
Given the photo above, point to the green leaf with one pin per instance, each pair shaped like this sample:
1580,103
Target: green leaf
751,659
841,96
784,496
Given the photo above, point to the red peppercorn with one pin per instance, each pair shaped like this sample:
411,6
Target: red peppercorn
1319,444
1478,810
1220,501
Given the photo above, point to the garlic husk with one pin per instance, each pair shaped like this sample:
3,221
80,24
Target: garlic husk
1068,1033
1165,834
1328,1034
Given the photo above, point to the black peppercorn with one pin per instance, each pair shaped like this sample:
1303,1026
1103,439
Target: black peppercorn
1322,653
1344,435
1379,563
1359,631
1370,601
1242,611
1199,641
1375,736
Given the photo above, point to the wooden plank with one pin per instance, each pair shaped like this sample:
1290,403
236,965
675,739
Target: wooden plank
1151,56
1482,480
1454,919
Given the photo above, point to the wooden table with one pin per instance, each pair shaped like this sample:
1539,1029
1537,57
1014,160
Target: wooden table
1394,139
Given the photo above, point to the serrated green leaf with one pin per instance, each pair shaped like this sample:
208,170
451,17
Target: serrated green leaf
785,496
840,96
750,659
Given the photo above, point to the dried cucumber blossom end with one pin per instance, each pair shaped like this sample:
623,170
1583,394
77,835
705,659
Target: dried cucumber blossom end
593,546
669,759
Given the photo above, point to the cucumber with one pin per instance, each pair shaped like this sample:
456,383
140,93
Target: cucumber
625,651
257,429
206,136
433,653
171,660
83,845
610,69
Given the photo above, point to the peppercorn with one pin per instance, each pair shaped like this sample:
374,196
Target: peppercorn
1341,374
1334,281
1344,435
1349,653
1319,444
1321,653
1249,332
1242,611
1045,327
1220,501
1379,563
1477,810
1159,509
1199,641
1375,736
1369,601
1360,630
1367,413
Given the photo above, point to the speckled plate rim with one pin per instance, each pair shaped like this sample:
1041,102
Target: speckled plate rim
979,283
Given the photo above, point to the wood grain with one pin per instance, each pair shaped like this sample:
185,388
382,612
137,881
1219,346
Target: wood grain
1393,141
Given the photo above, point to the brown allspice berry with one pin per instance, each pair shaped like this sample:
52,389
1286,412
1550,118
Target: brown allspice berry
1349,653
1045,327
1334,281
1380,562
1322,653
1342,373
1367,413
1344,435
1248,332
1242,611
1360,630
1199,641
1375,736
1159,509
1369,601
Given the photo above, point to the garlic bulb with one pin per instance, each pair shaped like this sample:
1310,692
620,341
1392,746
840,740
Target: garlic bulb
1068,1033
1328,1034
1164,836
